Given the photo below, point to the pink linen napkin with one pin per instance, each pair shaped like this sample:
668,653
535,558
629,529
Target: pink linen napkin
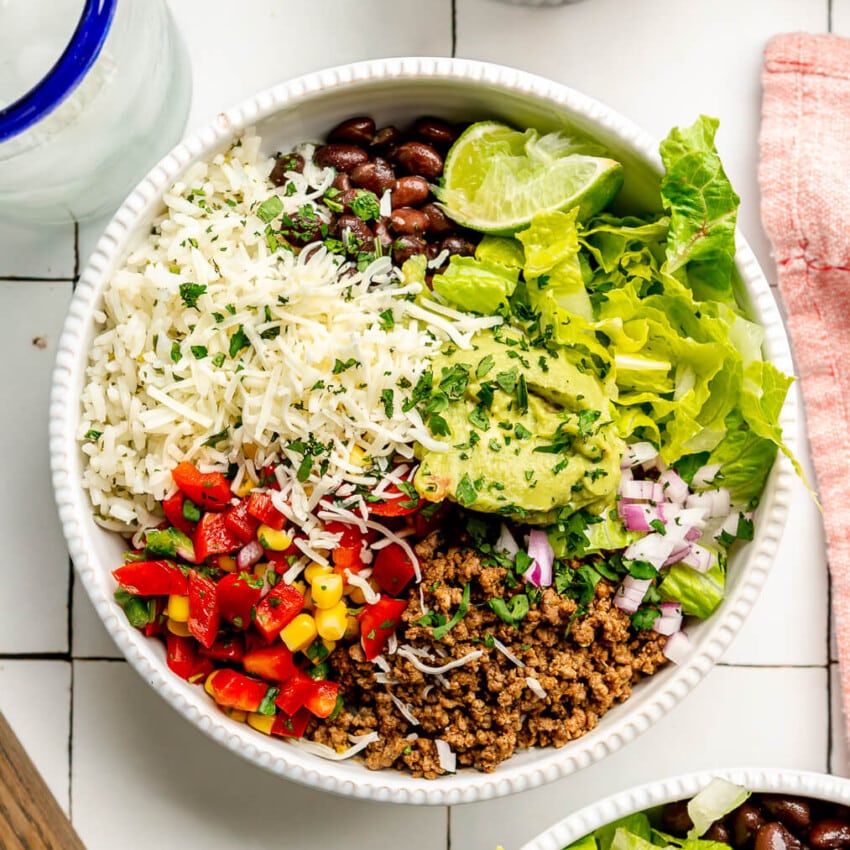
804,174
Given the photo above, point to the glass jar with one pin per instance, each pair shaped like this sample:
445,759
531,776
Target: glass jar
92,94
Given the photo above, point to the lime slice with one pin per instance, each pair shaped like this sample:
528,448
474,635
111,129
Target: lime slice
496,178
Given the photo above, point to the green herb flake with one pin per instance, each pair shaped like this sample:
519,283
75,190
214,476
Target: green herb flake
238,341
270,209
441,631
199,351
190,292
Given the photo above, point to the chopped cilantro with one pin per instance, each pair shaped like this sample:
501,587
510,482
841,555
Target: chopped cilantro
190,292
441,631
270,209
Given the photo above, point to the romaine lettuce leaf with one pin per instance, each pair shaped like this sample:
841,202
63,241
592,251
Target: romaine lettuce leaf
636,825
703,208
699,593
477,286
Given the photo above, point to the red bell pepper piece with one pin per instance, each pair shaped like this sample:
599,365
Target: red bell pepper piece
240,523
267,478
152,578
203,609
238,593
278,607
398,503
157,625
322,698
212,537
393,569
270,662
424,525
294,692
260,507
291,727
347,554
173,509
180,654
209,490
203,667
378,622
230,648
231,689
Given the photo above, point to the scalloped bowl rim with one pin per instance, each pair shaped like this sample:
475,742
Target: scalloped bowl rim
773,780
520,772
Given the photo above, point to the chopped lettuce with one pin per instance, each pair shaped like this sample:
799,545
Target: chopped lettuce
698,593
703,208
477,286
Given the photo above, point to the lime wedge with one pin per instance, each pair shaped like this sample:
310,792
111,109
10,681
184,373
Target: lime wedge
496,178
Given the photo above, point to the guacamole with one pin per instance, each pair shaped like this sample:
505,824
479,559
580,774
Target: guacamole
529,434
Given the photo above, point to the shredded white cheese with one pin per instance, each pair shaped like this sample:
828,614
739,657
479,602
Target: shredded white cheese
507,653
404,709
535,687
445,755
361,742
405,652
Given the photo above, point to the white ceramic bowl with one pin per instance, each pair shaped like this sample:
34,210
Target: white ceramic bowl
819,786
395,90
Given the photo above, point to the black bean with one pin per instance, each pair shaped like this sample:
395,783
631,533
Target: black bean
357,131
354,234
457,245
342,182
435,131
377,176
675,817
382,232
386,139
410,191
341,156
829,834
419,158
285,162
439,222
773,836
409,220
747,819
794,812
718,831
406,246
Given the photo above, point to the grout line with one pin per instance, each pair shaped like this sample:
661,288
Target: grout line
76,255
774,666
448,828
71,748
22,278
55,656
454,28
829,15
70,608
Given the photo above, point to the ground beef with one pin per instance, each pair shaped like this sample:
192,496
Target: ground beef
485,710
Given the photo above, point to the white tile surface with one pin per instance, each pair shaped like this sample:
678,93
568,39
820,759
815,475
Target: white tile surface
37,252
89,636
841,17
35,699
144,778
714,727
290,39
602,47
795,592
35,577
839,754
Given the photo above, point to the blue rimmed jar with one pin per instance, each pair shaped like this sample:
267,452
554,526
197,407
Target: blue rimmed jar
92,94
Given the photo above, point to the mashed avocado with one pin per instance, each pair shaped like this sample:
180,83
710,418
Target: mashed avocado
529,434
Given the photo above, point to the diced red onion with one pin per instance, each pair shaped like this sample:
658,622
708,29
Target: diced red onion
630,593
716,502
682,548
682,521
650,491
677,647
700,558
249,554
655,548
705,475
637,517
637,453
670,620
506,542
540,549
675,487
626,474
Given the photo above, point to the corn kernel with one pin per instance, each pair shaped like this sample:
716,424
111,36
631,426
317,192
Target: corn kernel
178,608
237,714
177,628
309,605
356,595
352,627
299,634
208,684
330,645
226,563
300,586
327,590
245,487
358,457
331,622
260,568
316,569
261,722
271,538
